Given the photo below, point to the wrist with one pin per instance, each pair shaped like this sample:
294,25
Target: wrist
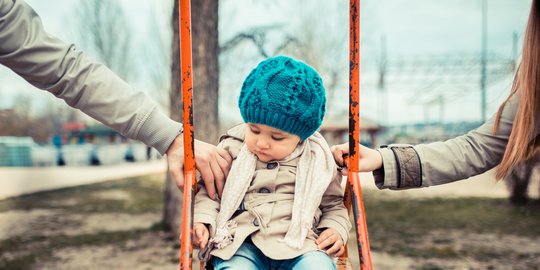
177,143
378,160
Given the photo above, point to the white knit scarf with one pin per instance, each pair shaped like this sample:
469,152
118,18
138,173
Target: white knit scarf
314,173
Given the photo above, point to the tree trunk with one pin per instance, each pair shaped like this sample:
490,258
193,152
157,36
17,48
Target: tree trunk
204,16
518,183
519,179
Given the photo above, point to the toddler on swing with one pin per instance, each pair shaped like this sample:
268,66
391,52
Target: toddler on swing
282,204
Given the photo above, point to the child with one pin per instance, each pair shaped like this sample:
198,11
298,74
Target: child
282,204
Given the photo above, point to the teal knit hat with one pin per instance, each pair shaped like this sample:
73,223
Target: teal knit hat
286,94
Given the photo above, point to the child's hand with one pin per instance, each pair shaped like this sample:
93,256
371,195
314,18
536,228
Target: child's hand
200,235
331,239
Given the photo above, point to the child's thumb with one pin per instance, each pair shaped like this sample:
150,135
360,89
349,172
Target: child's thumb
198,233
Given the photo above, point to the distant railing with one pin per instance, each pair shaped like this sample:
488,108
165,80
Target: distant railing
24,152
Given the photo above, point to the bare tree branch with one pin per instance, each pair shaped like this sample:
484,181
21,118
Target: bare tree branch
104,31
258,37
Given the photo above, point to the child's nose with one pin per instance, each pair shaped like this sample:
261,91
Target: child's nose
262,143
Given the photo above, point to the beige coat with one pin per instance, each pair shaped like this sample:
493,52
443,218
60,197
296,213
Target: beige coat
424,165
66,72
268,207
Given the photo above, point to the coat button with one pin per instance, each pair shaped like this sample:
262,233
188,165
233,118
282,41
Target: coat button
271,165
255,222
264,190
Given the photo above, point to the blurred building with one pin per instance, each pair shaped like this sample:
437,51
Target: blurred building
16,151
78,145
336,130
80,133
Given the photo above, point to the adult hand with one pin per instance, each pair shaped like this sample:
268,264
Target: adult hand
369,160
332,242
213,163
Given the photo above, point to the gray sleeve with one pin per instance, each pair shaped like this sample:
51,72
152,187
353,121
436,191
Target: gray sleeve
444,162
61,69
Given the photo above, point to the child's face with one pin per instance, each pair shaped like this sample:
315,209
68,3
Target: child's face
269,143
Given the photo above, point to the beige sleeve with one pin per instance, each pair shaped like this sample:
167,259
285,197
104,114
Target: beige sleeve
61,69
444,162
334,213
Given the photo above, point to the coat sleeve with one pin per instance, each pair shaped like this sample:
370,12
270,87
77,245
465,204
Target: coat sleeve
52,65
206,209
406,166
334,213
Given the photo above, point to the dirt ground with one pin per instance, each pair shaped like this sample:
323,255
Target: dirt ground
150,248
155,250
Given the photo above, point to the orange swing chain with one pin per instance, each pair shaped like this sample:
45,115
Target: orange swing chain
354,137
186,248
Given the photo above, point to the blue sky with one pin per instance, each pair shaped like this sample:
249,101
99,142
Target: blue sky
412,28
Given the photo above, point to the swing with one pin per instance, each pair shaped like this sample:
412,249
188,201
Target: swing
353,191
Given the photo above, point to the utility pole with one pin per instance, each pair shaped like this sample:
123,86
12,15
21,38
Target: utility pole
514,51
383,97
441,110
483,60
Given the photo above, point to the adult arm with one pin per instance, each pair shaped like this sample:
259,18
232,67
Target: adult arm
406,166
60,68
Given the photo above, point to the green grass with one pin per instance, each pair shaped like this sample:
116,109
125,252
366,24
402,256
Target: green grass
145,192
398,226
40,247
395,226
412,217
146,195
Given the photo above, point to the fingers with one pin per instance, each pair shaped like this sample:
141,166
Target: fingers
340,252
201,236
324,239
218,175
338,154
369,159
204,241
330,238
202,161
346,160
196,237
344,171
213,163
225,161
335,248
221,164
208,179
